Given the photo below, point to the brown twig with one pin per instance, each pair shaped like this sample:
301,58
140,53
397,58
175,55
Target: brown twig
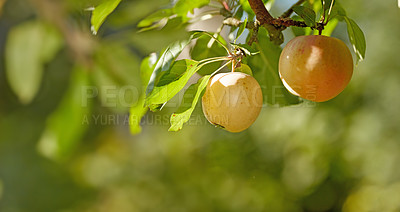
275,26
262,14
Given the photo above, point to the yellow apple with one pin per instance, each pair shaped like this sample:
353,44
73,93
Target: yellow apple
232,101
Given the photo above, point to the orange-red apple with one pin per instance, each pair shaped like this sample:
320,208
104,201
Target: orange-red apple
316,67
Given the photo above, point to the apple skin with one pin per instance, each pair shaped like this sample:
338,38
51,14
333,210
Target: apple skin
232,101
316,67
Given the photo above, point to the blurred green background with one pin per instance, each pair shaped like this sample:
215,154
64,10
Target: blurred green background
342,155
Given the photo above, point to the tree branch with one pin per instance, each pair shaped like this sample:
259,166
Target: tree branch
276,26
262,14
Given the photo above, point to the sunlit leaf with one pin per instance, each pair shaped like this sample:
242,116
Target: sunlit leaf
156,20
136,113
330,27
29,46
168,89
155,17
167,58
101,12
307,14
139,109
356,37
69,121
193,93
183,7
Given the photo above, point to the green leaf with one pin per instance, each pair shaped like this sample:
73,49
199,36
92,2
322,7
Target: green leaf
330,27
155,18
101,12
183,7
184,112
246,6
139,109
167,58
241,29
69,121
244,69
207,47
29,46
356,37
298,31
307,14
183,70
326,4
265,70
136,113
338,12
177,14
146,68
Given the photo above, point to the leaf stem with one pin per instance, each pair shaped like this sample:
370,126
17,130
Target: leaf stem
220,68
213,59
218,41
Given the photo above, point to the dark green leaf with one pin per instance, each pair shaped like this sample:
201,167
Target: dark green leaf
69,121
168,89
101,12
307,14
24,61
337,12
265,70
357,38
298,31
326,4
207,47
184,112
